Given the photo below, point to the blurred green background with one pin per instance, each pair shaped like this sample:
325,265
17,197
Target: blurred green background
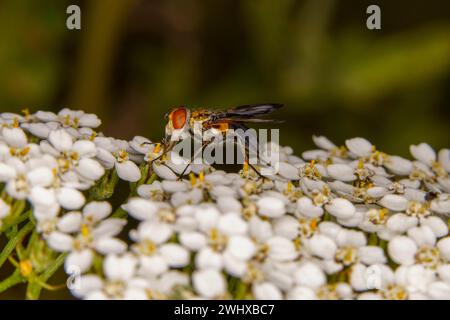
133,59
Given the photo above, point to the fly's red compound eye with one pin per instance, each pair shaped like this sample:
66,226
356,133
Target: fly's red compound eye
178,118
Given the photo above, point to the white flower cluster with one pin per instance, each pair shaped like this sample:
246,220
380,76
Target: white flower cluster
347,222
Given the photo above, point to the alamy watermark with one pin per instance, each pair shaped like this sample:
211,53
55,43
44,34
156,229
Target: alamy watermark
73,21
373,21
235,146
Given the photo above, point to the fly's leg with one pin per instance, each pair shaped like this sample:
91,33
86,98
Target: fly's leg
246,151
204,145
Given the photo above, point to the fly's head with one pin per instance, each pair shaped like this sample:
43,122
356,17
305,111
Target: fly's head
177,127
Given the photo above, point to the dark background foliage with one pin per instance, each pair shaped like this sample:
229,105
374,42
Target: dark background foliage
133,59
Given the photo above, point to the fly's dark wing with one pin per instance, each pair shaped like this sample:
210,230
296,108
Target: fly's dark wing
250,111
252,120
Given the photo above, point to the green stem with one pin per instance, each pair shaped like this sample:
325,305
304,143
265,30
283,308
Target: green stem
12,243
34,287
8,223
122,214
18,207
53,267
11,281
119,213
144,169
241,290
152,178
373,239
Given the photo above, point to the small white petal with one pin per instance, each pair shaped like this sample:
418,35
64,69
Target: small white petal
394,202
341,208
153,265
70,222
128,171
232,224
174,186
207,217
61,140
164,172
105,158
398,165
444,247
286,226
70,199
209,283
108,228
322,246
87,284
301,293
402,250
4,209
90,169
359,146
377,192
141,209
241,247
281,249
193,240
444,159
46,116
89,120
43,197
437,225
271,207
424,153
79,259
60,241
306,207
110,245
156,232
341,172
119,267
40,130
422,236
175,255
350,238
209,259
228,204
371,255
7,172
329,229
288,171
14,137
84,148
309,275
259,229
441,206
266,291
42,177
400,222
358,277
323,142
97,210
439,290
444,272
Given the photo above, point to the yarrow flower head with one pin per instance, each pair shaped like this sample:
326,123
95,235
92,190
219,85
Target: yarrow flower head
339,222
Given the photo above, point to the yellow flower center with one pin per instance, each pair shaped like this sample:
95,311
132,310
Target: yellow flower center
430,257
395,292
346,255
25,267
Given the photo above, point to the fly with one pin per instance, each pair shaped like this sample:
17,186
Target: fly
181,122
